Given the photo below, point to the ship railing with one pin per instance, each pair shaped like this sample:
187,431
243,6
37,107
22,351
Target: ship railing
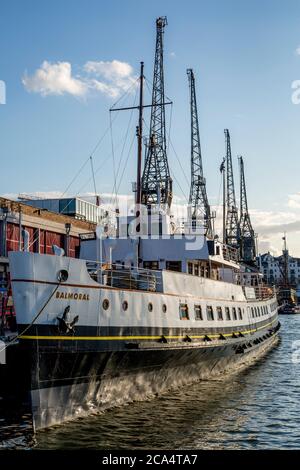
125,277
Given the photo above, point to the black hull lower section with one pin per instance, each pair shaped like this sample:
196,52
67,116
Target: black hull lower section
64,379
83,383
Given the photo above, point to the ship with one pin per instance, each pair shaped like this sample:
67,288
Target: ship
148,308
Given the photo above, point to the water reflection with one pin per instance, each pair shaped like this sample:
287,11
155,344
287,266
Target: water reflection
258,407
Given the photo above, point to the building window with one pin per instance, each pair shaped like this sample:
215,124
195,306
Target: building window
198,312
240,313
219,313
125,305
227,313
183,312
196,270
209,312
234,313
217,250
190,268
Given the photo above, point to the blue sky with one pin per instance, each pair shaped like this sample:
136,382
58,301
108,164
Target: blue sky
244,58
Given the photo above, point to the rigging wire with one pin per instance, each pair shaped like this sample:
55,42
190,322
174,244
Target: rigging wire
93,174
124,145
113,159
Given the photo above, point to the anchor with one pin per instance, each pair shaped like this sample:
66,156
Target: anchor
65,326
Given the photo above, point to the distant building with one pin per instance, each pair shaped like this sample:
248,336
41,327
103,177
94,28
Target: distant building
73,206
272,268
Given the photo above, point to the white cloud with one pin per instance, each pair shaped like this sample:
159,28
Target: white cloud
173,55
115,76
297,51
109,78
54,79
294,201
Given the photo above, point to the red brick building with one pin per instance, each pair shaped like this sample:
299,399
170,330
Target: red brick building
43,229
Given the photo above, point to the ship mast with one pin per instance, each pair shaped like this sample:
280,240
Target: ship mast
140,138
232,223
198,201
156,180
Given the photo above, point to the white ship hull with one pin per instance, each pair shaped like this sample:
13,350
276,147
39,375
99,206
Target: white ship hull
128,344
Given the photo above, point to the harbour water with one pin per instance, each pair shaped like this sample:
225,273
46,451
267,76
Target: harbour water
258,407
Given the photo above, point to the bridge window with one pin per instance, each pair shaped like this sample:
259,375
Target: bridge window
198,312
184,312
234,313
151,265
219,313
227,313
209,312
173,266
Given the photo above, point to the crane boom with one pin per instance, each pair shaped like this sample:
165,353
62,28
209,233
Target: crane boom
198,201
247,235
232,222
156,180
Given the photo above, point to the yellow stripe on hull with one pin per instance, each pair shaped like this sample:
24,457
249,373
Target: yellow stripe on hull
122,338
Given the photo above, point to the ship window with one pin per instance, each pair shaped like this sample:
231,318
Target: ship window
209,312
217,250
190,268
219,313
125,305
196,270
150,307
151,265
198,312
252,312
173,266
183,312
240,313
164,308
227,313
105,304
234,313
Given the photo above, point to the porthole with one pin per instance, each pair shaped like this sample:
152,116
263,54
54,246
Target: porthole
150,307
63,275
105,304
164,308
125,305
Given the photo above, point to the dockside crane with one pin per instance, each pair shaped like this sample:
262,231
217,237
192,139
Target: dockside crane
156,187
247,235
231,229
198,201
